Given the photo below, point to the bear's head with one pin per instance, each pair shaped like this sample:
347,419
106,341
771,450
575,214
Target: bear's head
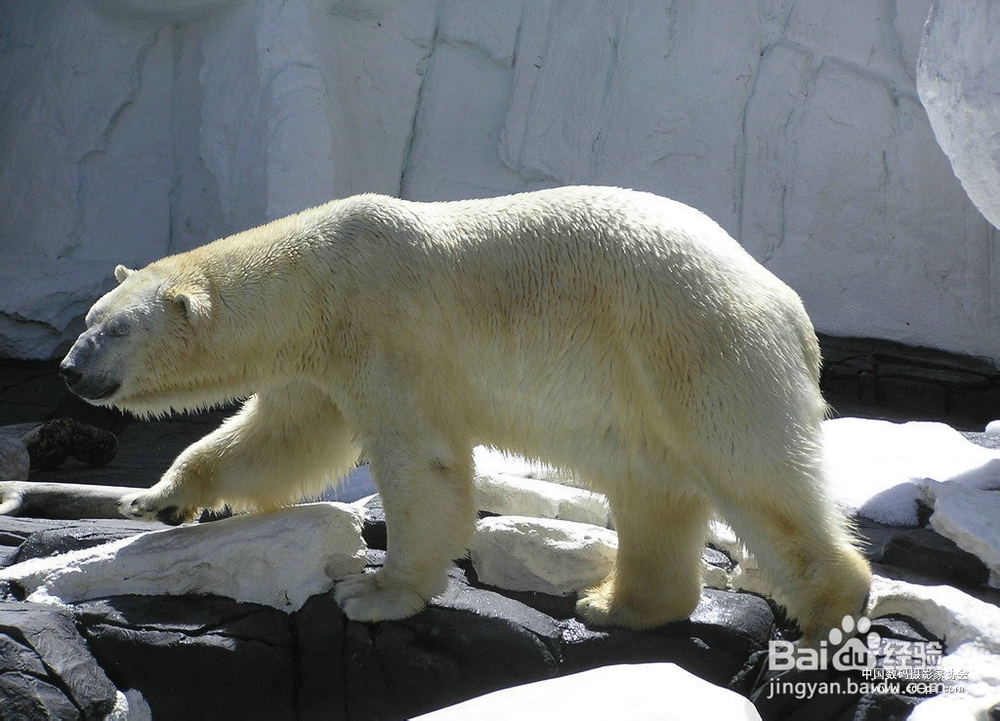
140,341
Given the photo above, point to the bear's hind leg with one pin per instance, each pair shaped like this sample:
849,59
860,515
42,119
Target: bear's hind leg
802,542
430,517
657,575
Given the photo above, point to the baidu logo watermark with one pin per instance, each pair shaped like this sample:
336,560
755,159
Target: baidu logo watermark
833,653
886,666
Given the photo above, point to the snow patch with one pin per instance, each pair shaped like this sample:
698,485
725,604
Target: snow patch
279,559
876,468
624,691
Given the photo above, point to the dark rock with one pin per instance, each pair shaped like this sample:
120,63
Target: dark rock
73,536
717,558
51,443
844,695
25,696
720,643
900,628
471,641
195,655
913,397
780,699
320,664
14,531
885,379
982,405
873,537
374,529
926,552
46,670
883,707
468,642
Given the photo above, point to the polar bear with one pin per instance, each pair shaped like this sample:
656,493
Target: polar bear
616,334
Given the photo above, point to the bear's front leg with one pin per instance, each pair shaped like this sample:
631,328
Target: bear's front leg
286,443
430,518
182,492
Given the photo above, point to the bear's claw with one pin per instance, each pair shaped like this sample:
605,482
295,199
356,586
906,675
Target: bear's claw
143,507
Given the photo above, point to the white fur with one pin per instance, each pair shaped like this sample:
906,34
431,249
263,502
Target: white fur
617,334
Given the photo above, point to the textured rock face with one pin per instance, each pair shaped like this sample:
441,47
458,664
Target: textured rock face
135,129
46,669
959,85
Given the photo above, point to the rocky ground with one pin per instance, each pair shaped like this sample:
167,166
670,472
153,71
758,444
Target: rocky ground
223,656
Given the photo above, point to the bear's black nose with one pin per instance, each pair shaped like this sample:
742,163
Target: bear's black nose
70,375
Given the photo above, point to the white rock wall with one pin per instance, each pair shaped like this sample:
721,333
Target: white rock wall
135,128
958,77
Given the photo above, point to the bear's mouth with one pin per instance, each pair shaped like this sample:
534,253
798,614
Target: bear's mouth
90,390
105,393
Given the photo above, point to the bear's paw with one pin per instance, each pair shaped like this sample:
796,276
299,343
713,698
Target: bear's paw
368,598
153,505
604,606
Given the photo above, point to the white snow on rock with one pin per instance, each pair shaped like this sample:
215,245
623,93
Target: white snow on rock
971,632
544,555
279,559
968,516
511,495
130,706
876,468
638,692
959,86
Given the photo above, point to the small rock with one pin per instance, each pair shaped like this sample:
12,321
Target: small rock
76,536
374,530
926,552
968,517
14,459
514,496
50,443
549,556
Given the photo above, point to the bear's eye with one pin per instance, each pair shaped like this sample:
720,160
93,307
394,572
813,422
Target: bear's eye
119,329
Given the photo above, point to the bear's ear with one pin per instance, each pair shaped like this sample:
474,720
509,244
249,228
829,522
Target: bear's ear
194,302
121,273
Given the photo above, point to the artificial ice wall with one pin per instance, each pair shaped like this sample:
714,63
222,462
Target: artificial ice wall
130,129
